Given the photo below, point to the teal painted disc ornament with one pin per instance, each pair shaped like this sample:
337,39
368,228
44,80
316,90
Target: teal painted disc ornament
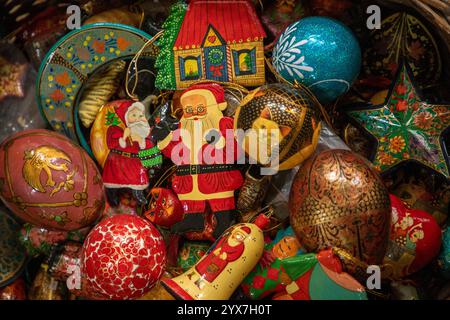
12,253
444,256
320,53
72,61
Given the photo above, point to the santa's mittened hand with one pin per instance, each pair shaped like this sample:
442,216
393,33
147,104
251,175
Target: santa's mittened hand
159,132
212,137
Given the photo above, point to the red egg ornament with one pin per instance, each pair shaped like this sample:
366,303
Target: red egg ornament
47,180
414,241
123,257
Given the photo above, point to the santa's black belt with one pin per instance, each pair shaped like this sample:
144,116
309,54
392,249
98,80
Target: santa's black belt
125,154
203,168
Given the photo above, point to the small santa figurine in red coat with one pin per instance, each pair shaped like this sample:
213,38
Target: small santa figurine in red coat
226,250
131,153
204,149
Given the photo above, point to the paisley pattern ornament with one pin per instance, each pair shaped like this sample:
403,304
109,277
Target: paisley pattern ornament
302,53
403,36
48,181
123,257
73,60
338,200
12,253
406,127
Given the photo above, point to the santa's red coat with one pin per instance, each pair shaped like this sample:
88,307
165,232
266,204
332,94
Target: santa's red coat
212,265
208,183
122,171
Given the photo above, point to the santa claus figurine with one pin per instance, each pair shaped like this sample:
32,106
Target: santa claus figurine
132,156
204,149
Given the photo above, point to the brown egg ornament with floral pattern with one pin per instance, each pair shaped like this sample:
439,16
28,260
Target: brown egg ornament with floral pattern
47,180
337,200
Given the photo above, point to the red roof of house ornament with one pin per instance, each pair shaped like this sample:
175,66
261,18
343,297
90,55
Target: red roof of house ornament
235,21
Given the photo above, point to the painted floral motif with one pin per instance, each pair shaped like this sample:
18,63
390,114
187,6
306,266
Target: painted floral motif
403,33
397,144
123,256
406,127
76,58
287,51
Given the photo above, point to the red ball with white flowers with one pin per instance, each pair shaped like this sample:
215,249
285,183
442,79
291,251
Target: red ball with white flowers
123,257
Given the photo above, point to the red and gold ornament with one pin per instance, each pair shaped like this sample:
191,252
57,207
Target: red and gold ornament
47,180
338,200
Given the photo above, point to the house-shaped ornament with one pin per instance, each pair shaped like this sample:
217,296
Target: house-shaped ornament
219,40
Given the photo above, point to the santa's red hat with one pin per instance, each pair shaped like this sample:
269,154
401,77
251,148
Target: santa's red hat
124,106
213,92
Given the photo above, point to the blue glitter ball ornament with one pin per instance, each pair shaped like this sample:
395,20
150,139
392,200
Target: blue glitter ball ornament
321,53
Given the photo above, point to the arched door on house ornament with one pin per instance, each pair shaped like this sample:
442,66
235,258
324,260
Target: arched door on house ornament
216,63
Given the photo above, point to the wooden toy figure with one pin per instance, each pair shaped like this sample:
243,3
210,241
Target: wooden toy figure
132,156
204,150
221,270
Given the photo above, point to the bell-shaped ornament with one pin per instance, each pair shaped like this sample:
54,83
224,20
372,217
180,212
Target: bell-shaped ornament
222,269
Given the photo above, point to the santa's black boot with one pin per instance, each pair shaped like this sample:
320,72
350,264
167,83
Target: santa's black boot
191,222
112,195
139,196
224,220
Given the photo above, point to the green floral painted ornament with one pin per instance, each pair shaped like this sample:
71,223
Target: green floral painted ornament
405,127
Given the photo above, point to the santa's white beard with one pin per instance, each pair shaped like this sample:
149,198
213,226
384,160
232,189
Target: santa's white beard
211,121
141,129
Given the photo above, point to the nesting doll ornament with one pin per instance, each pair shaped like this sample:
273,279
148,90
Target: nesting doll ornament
415,240
204,150
121,140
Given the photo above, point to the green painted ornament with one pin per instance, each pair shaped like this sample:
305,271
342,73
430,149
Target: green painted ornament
405,127
191,252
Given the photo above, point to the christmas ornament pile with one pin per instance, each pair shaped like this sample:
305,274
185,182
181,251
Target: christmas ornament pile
227,151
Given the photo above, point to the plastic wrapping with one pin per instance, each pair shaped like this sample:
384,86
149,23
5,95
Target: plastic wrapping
18,108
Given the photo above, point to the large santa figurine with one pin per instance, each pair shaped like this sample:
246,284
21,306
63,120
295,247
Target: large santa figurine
127,142
204,150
